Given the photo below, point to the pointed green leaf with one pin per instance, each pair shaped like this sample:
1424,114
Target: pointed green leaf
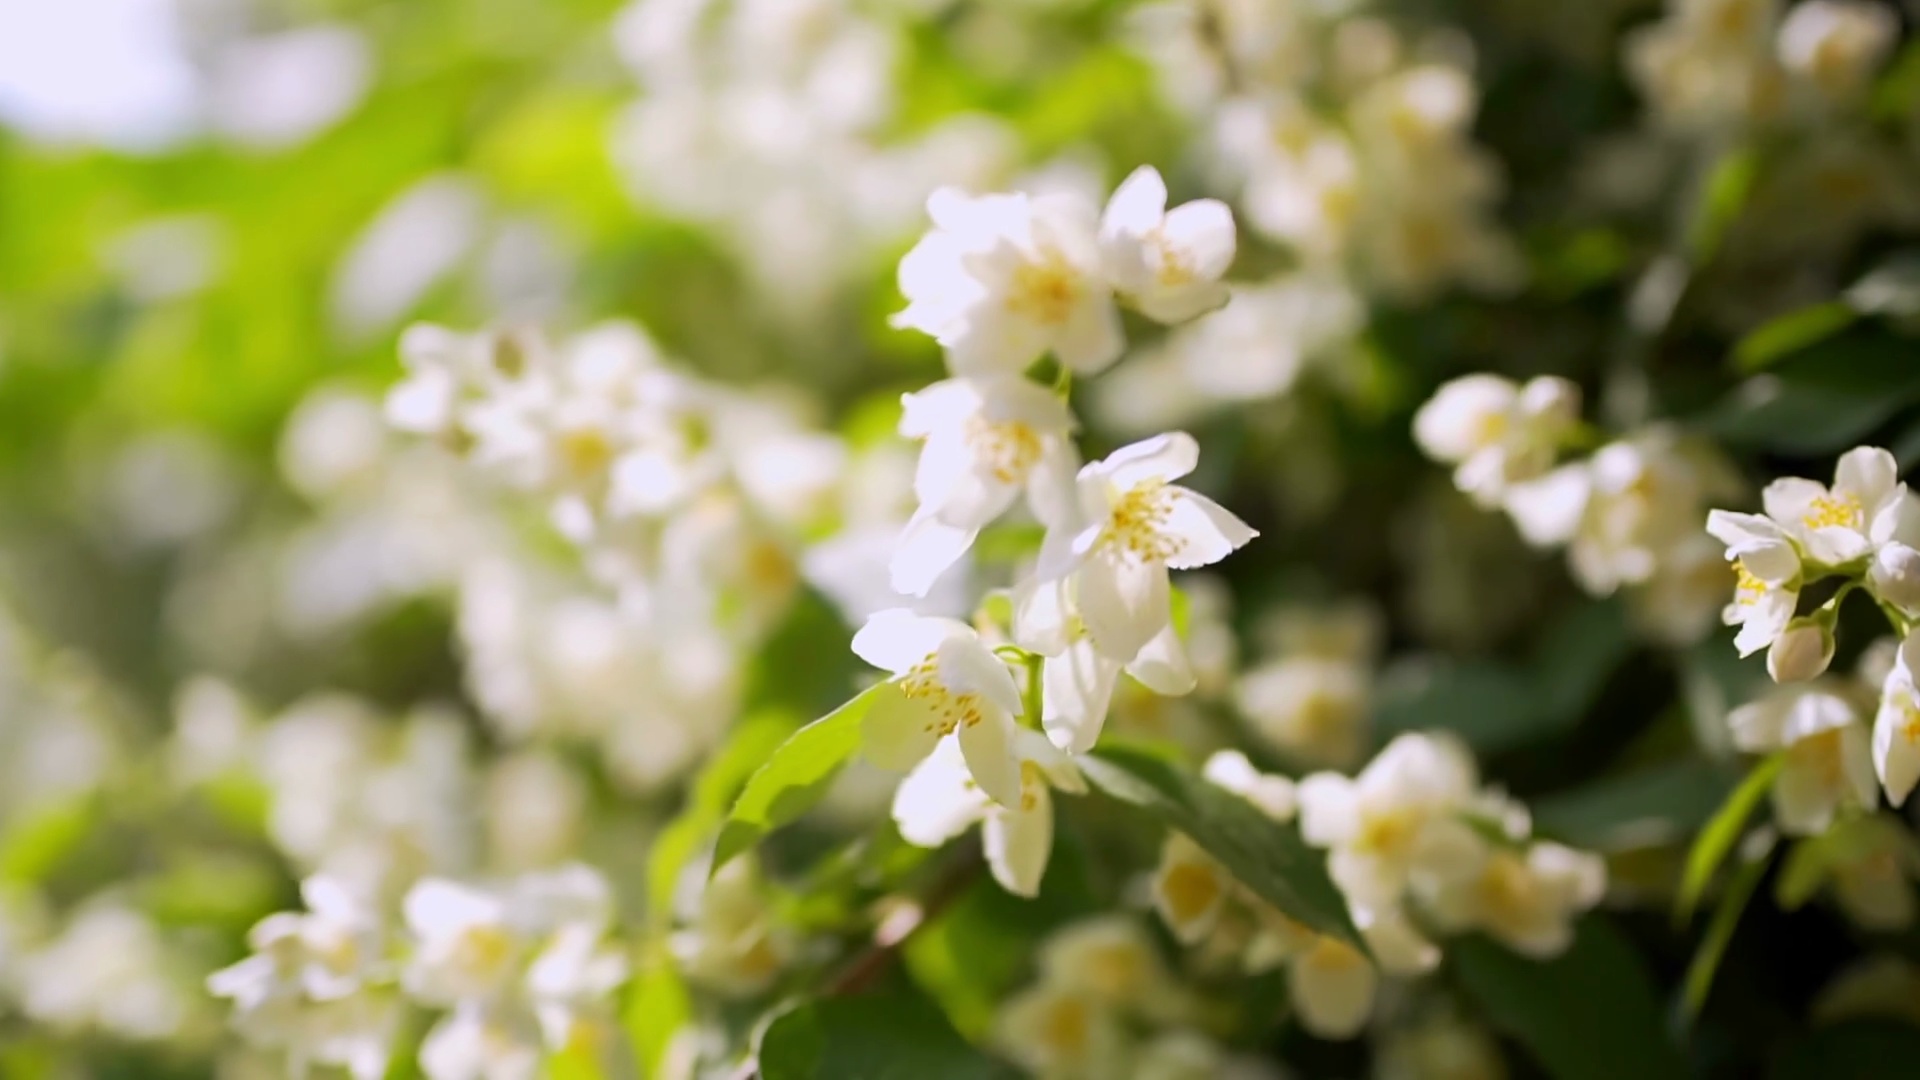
1719,935
720,781
795,777
1717,840
1590,1013
1266,856
896,1035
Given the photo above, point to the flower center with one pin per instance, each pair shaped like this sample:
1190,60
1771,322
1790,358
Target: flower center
584,452
1008,450
1382,834
946,710
1174,270
1136,527
1191,889
1833,510
1045,291
1067,1027
1747,589
1506,889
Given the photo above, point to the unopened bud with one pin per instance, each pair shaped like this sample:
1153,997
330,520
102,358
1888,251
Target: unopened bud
1895,576
1801,652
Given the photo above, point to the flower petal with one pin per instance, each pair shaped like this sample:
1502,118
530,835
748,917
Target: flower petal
1208,531
1019,842
898,732
1079,688
1162,665
896,639
967,666
988,747
928,548
938,800
1162,458
1124,603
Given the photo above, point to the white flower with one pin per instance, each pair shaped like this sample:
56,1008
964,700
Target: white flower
1396,821
481,1041
1767,566
1801,652
1003,279
1055,1030
1525,899
729,942
1332,987
945,682
1496,433
1078,681
1167,263
1896,726
1870,863
1190,889
1838,525
1829,763
939,800
985,440
1894,574
1110,957
1837,44
446,370
1311,708
1134,524
475,943
322,955
1273,794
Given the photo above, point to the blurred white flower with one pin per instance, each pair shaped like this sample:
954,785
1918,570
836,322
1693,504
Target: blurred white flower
1836,45
1525,899
1829,758
728,940
1497,433
1166,263
109,969
1395,822
1003,279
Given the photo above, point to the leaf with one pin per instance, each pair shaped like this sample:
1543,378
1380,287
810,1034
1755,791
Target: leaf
794,778
1722,197
41,838
1824,398
1721,834
1787,334
658,1007
1590,1013
1640,809
751,743
1862,1049
884,1036
1726,919
1267,857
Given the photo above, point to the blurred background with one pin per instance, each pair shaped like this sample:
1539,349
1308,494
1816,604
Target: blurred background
248,630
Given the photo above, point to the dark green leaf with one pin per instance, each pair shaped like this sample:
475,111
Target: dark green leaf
1717,840
1590,1013
1640,809
898,1035
1726,919
1865,1049
1267,857
794,778
1822,399
1788,334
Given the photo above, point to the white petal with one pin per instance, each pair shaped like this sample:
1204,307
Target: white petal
938,800
1867,473
1162,459
1162,666
1124,603
1078,685
1896,753
1332,987
437,908
928,548
1789,498
1202,232
944,406
988,748
1208,531
1092,338
1137,204
896,639
1019,842
1041,620
1329,809
898,732
1741,531
967,666
1548,509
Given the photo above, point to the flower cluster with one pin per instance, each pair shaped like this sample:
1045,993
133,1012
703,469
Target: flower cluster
521,969
1627,514
1413,842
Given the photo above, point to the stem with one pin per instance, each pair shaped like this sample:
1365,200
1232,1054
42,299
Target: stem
1032,700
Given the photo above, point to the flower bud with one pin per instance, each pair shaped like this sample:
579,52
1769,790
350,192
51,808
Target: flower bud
1895,575
1801,652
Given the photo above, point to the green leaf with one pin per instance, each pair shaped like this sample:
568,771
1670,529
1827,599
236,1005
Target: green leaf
897,1035
1591,1013
658,1007
1722,197
1726,919
1640,809
36,843
1267,857
1824,398
1864,1049
795,777
718,785
1717,840
1787,334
